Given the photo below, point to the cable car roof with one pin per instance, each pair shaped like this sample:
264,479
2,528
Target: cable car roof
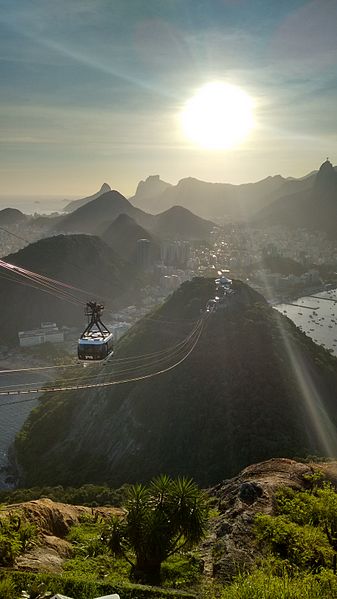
95,338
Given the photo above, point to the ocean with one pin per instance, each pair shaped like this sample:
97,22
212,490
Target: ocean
33,204
13,415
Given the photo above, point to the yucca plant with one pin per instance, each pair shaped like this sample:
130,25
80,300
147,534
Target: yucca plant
161,519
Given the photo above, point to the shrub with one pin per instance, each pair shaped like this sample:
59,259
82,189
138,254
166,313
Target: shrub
15,537
81,588
7,589
262,584
166,517
304,546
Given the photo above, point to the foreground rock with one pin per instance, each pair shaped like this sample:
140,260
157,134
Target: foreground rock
230,546
53,521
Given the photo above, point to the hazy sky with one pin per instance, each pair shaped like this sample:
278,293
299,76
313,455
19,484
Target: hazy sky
91,90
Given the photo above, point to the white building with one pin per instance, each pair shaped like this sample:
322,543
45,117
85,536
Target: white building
48,333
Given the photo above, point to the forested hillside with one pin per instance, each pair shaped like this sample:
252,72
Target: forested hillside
255,387
82,261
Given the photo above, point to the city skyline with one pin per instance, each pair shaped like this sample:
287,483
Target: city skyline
92,90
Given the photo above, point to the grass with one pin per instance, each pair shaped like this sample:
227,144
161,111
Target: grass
91,558
263,584
80,587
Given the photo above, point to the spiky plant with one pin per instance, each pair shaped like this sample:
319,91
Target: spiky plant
161,519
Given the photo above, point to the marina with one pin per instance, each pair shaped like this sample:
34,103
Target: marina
316,316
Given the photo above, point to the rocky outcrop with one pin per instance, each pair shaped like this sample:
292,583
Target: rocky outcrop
230,546
50,517
53,521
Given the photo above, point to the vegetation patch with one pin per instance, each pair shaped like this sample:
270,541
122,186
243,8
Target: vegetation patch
16,536
90,495
81,587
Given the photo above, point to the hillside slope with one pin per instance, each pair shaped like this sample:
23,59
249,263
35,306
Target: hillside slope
255,387
80,260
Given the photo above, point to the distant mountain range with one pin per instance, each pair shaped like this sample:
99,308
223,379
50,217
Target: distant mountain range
254,387
182,211
314,208
81,260
93,218
146,189
208,200
216,200
81,202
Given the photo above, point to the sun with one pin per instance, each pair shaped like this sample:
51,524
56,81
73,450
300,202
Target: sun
219,116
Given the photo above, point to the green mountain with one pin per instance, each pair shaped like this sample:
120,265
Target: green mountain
83,261
11,216
122,236
314,208
254,387
179,223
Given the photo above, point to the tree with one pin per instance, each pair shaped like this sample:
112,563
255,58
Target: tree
161,519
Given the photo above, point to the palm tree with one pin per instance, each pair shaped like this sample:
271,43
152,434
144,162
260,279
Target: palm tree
164,518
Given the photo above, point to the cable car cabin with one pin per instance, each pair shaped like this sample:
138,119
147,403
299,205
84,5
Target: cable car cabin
94,345
211,305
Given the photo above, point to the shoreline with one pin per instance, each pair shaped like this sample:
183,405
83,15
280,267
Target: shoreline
13,417
289,298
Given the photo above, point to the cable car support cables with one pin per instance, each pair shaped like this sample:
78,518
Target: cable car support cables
126,379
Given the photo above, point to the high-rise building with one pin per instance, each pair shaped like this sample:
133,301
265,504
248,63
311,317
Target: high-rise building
175,253
144,254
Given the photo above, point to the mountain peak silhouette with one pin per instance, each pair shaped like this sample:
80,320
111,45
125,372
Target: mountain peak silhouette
326,178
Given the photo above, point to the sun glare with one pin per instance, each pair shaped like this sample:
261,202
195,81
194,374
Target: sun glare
219,116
